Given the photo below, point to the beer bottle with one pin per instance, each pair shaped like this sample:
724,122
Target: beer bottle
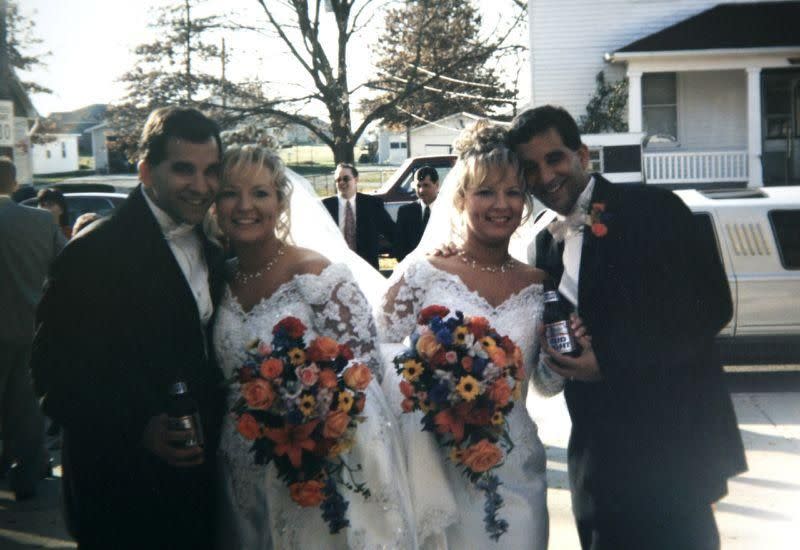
183,414
556,322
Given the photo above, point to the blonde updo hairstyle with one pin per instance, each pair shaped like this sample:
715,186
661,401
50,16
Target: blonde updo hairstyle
481,148
239,160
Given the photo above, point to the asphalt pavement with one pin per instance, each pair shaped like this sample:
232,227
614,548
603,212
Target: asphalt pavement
761,511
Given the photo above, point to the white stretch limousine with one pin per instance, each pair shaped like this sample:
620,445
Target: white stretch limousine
757,234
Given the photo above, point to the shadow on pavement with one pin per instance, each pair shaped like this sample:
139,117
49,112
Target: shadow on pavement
763,382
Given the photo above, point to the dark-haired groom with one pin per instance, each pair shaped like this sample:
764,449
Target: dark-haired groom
654,436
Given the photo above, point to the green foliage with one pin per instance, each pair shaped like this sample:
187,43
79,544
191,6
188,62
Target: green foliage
606,110
21,36
432,51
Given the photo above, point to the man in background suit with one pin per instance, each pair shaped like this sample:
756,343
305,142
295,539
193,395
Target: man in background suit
124,315
29,242
362,218
413,218
654,436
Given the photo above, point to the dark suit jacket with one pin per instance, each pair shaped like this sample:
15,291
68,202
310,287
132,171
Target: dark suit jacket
660,424
117,324
409,229
372,222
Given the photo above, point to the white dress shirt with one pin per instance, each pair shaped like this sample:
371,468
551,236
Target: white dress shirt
573,244
342,205
187,249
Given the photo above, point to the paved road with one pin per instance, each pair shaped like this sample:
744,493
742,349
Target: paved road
762,510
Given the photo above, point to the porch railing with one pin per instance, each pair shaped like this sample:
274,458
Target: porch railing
695,167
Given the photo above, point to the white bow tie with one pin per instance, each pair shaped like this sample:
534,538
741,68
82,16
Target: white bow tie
179,232
569,226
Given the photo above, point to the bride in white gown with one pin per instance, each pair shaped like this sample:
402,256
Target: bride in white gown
269,281
482,278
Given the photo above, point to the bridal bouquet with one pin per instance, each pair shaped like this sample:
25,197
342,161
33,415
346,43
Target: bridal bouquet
464,377
300,405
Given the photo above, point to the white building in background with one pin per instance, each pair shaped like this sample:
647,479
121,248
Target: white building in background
57,156
100,133
715,88
392,146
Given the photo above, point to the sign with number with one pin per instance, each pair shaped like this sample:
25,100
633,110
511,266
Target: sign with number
6,123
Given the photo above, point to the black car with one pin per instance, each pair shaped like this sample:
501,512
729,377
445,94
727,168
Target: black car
81,203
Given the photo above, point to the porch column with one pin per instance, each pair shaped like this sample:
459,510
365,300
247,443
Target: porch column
634,101
755,173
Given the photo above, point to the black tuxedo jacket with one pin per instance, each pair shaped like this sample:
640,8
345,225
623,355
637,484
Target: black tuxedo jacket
372,222
117,324
660,425
409,229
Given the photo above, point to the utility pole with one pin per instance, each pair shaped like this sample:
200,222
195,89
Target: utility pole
6,99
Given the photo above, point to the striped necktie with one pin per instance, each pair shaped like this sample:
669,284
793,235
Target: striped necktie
349,226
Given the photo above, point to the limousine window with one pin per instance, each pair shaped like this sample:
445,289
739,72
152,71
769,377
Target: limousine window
706,233
786,224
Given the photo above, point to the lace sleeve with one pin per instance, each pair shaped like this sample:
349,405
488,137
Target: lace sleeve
342,312
397,315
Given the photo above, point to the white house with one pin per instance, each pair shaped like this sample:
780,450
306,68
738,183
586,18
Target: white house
392,147
99,133
56,156
437,137
715,88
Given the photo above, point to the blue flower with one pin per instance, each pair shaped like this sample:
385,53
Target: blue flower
478,364
439,393
444,336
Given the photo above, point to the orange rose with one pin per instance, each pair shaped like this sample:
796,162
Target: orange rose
248,426
482,456
518,361
500,392
498,357
307,493
360,401
271,368
258,394
346,352
427,346
478,326
407,405
599,229
507,344
328,378
322,349
466,362
335,425
358,377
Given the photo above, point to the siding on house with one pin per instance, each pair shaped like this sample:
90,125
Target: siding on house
63,155
569,39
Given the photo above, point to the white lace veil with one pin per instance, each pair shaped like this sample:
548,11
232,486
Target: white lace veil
311,226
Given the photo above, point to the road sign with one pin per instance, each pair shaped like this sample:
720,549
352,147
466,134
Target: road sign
6,123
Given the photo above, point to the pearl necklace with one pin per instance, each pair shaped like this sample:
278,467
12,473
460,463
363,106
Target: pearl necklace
244,278
508,264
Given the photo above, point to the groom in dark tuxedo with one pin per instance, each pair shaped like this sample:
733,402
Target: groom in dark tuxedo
125,314
412,219
654,436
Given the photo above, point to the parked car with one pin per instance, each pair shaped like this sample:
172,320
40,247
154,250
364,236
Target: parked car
399,188
81,203
756,233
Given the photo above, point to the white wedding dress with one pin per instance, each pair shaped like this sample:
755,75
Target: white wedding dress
256,510
449,510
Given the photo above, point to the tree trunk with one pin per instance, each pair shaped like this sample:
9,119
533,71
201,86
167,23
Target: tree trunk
343,150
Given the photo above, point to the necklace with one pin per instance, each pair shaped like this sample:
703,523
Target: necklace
507,265
244,278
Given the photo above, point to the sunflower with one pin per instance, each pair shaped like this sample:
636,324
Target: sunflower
412,370
307,404
488,343
460,335
345,401
498,418
468,388
297,356
425,405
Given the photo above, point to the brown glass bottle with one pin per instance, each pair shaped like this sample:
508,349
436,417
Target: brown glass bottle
555,318
183,413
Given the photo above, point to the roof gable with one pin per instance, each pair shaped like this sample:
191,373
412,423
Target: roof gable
728,26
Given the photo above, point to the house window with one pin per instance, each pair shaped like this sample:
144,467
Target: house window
63,150
786,224
596,160
397,145
777,94
660,107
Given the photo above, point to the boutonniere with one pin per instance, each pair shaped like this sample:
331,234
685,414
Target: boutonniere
598,219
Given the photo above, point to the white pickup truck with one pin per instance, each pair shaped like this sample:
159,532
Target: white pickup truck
757,234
